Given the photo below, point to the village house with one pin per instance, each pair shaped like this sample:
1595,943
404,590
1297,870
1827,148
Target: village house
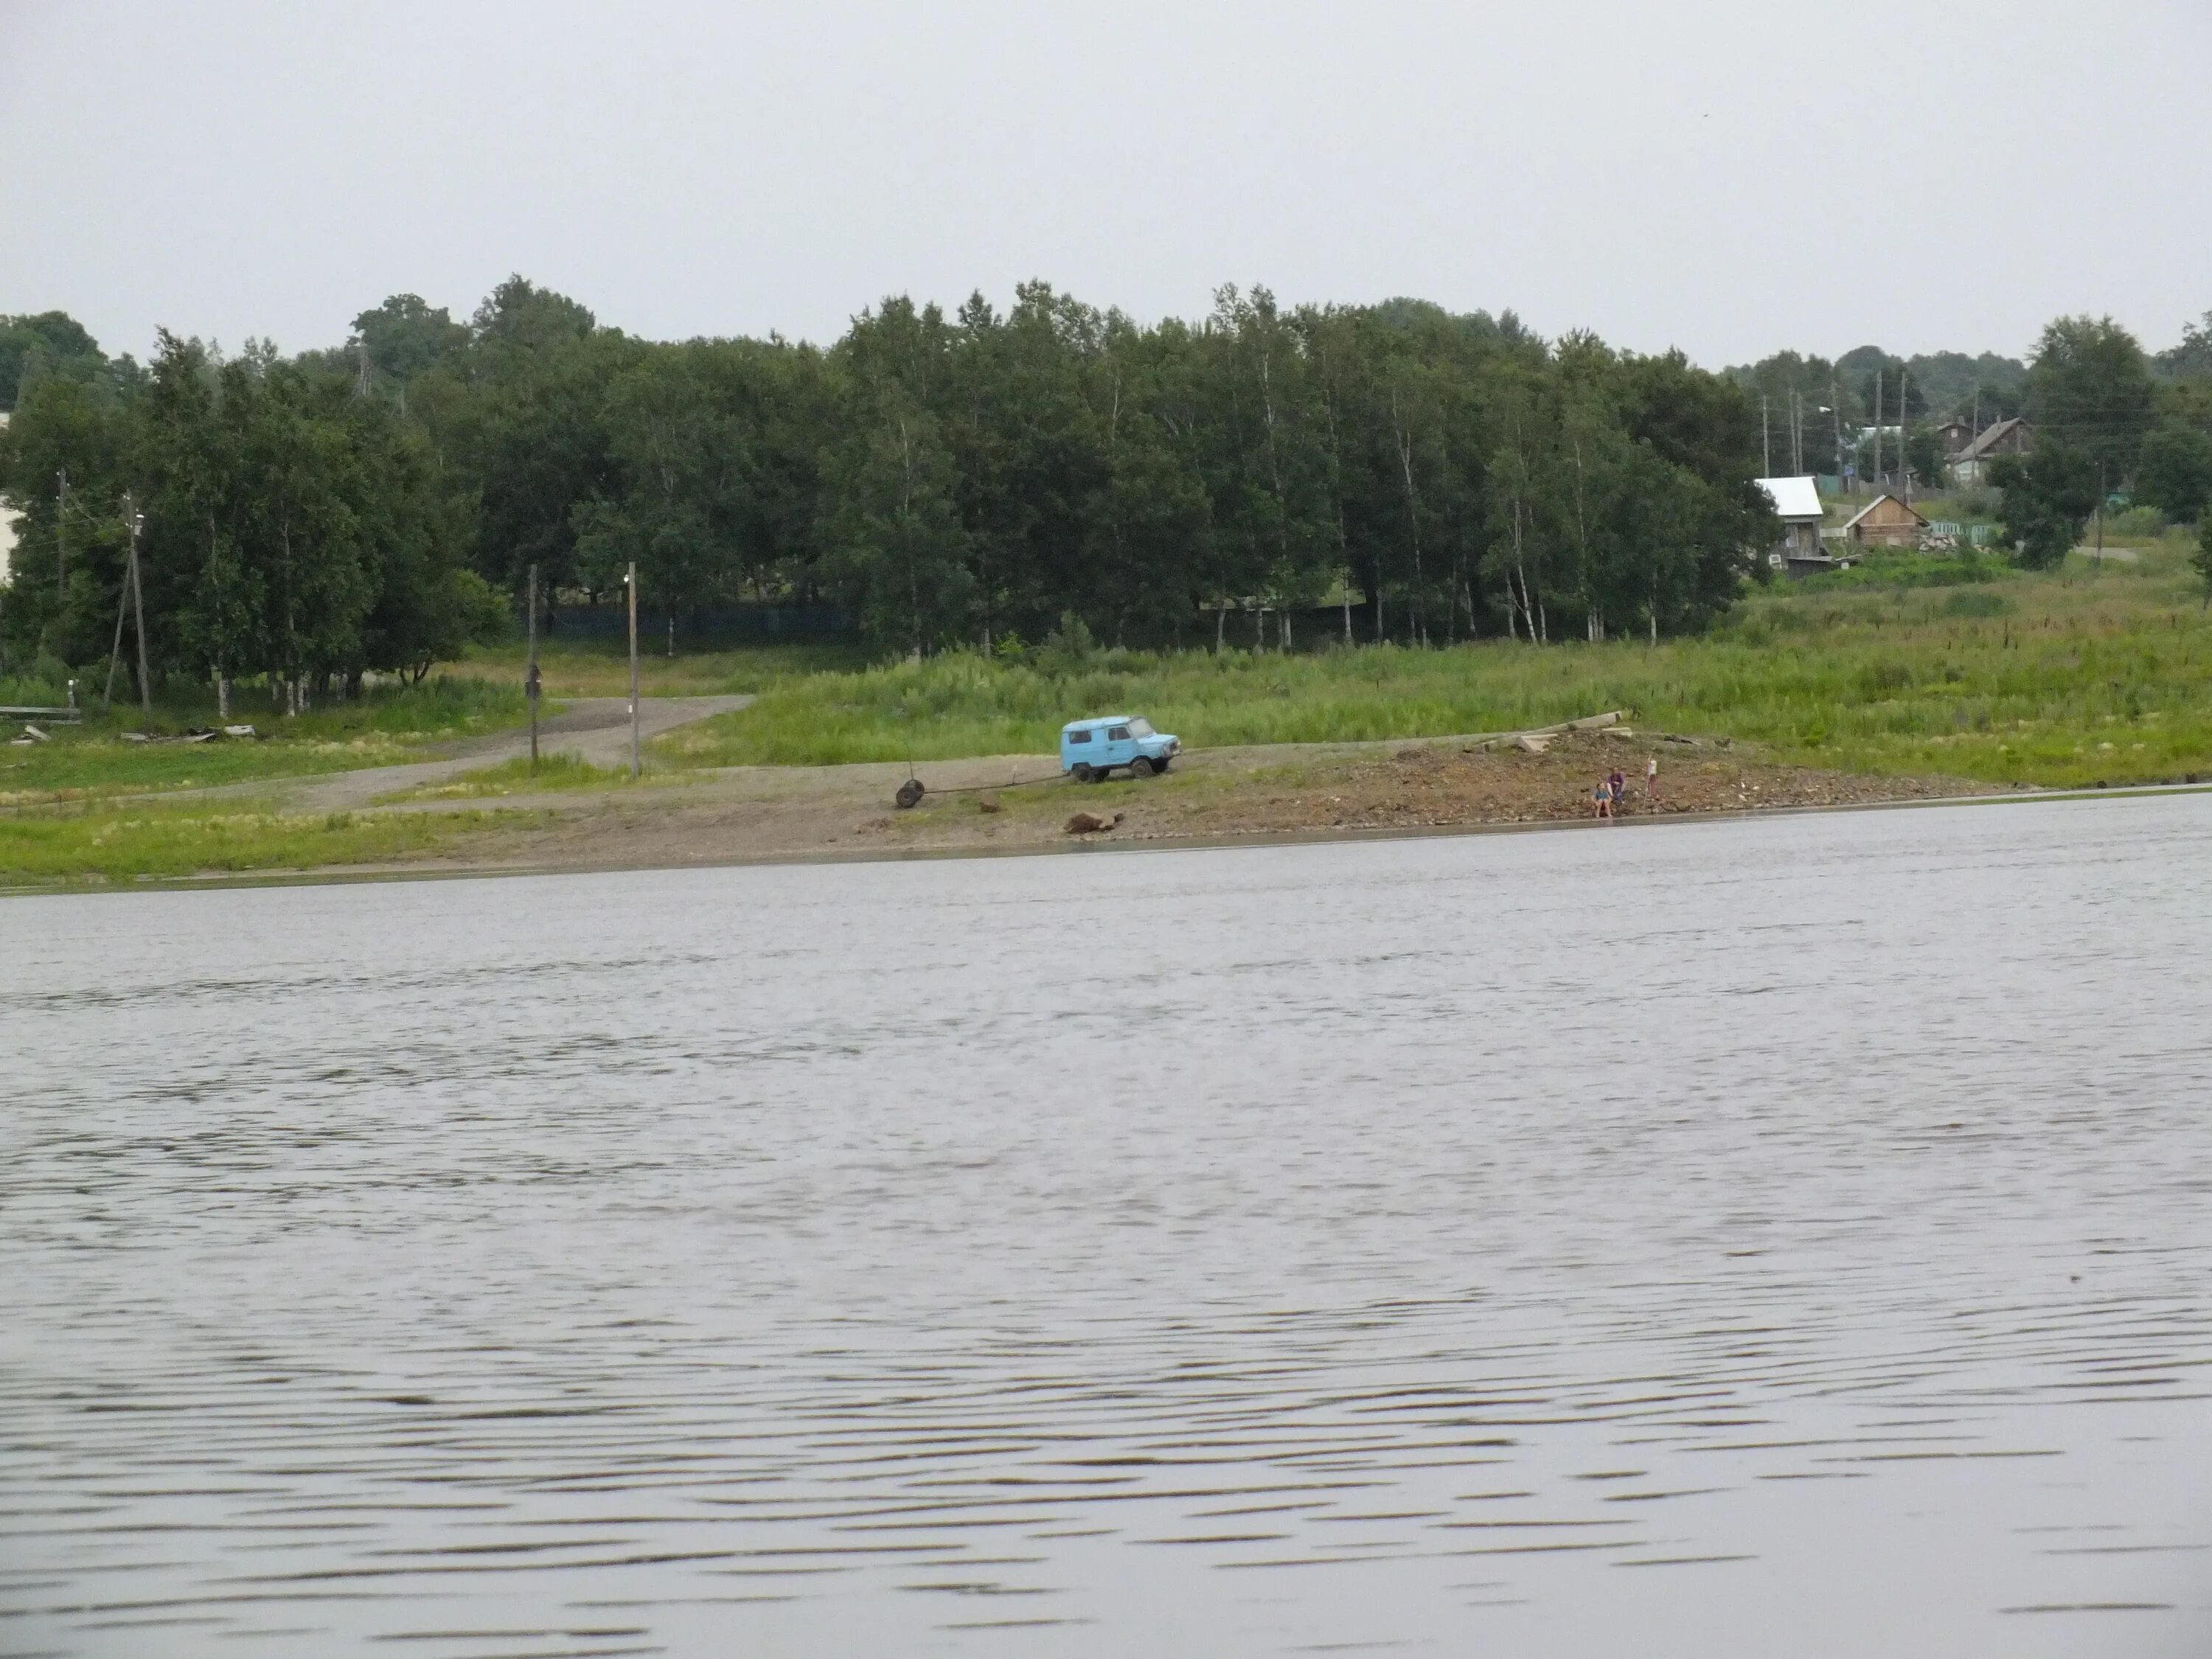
1797,504
1886,521
2012,437
7,524
1954,434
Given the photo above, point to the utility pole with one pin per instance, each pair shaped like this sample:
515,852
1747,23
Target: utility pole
1877,426
138,609
61,534
1903,467
636,763
2100,518
529,681
1836,415
1766,444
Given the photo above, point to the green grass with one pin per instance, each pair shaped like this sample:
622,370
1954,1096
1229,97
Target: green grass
514,777
601,668
388,725
124,843
2073,677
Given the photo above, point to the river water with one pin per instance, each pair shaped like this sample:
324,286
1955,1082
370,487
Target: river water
1783,1236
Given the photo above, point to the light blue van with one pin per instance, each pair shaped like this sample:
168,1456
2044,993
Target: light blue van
1090,750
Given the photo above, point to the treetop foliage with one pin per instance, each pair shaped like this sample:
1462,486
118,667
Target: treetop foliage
950,477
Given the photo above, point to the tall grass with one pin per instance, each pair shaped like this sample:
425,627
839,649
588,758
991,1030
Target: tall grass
600,668
2068,678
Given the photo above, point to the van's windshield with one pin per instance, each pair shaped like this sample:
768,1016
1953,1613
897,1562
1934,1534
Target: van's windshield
1140,728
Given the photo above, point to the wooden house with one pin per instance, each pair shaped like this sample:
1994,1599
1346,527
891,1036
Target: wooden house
1886,521
1797,504
1954,434
2013,437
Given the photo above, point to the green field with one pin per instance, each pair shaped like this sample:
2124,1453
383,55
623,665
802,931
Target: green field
598,668
387,726
1906,664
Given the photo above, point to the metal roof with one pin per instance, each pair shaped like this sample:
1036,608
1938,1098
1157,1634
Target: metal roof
1793,498
1990,434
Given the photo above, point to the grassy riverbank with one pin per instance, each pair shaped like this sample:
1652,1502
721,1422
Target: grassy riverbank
94,844
388,725
1907,665
1909,670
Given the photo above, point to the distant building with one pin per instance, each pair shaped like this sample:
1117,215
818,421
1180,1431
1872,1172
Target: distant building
2012,437
1954,434
1797,504
1886,521
7,524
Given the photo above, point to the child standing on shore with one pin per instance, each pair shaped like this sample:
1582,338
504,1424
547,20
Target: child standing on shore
1651,779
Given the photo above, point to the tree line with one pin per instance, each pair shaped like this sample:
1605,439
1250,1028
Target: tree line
1391,471
286,528
969,478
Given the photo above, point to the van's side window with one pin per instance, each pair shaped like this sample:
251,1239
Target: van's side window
1078,737
1118,734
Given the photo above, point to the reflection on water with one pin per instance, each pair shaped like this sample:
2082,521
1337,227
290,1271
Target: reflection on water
1787,1237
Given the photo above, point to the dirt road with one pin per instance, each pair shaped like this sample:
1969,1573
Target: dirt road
595,730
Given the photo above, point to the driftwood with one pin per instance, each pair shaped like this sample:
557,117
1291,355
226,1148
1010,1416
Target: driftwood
1542,735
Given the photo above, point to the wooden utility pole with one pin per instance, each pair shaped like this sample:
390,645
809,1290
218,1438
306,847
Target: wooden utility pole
635,761
2100,518
115,651
1877,429
61,534
530,682
139,612
1836,413
1766,444
1903,467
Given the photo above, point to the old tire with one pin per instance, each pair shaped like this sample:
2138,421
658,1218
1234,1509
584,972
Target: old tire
1081,772
1142,767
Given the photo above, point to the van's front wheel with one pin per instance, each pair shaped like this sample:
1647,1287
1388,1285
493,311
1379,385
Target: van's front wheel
1142,767
1081,772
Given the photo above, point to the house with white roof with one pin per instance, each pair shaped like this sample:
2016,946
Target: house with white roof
7,525
1797,504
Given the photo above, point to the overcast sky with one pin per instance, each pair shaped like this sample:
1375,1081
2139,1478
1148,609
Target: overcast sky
1730,178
